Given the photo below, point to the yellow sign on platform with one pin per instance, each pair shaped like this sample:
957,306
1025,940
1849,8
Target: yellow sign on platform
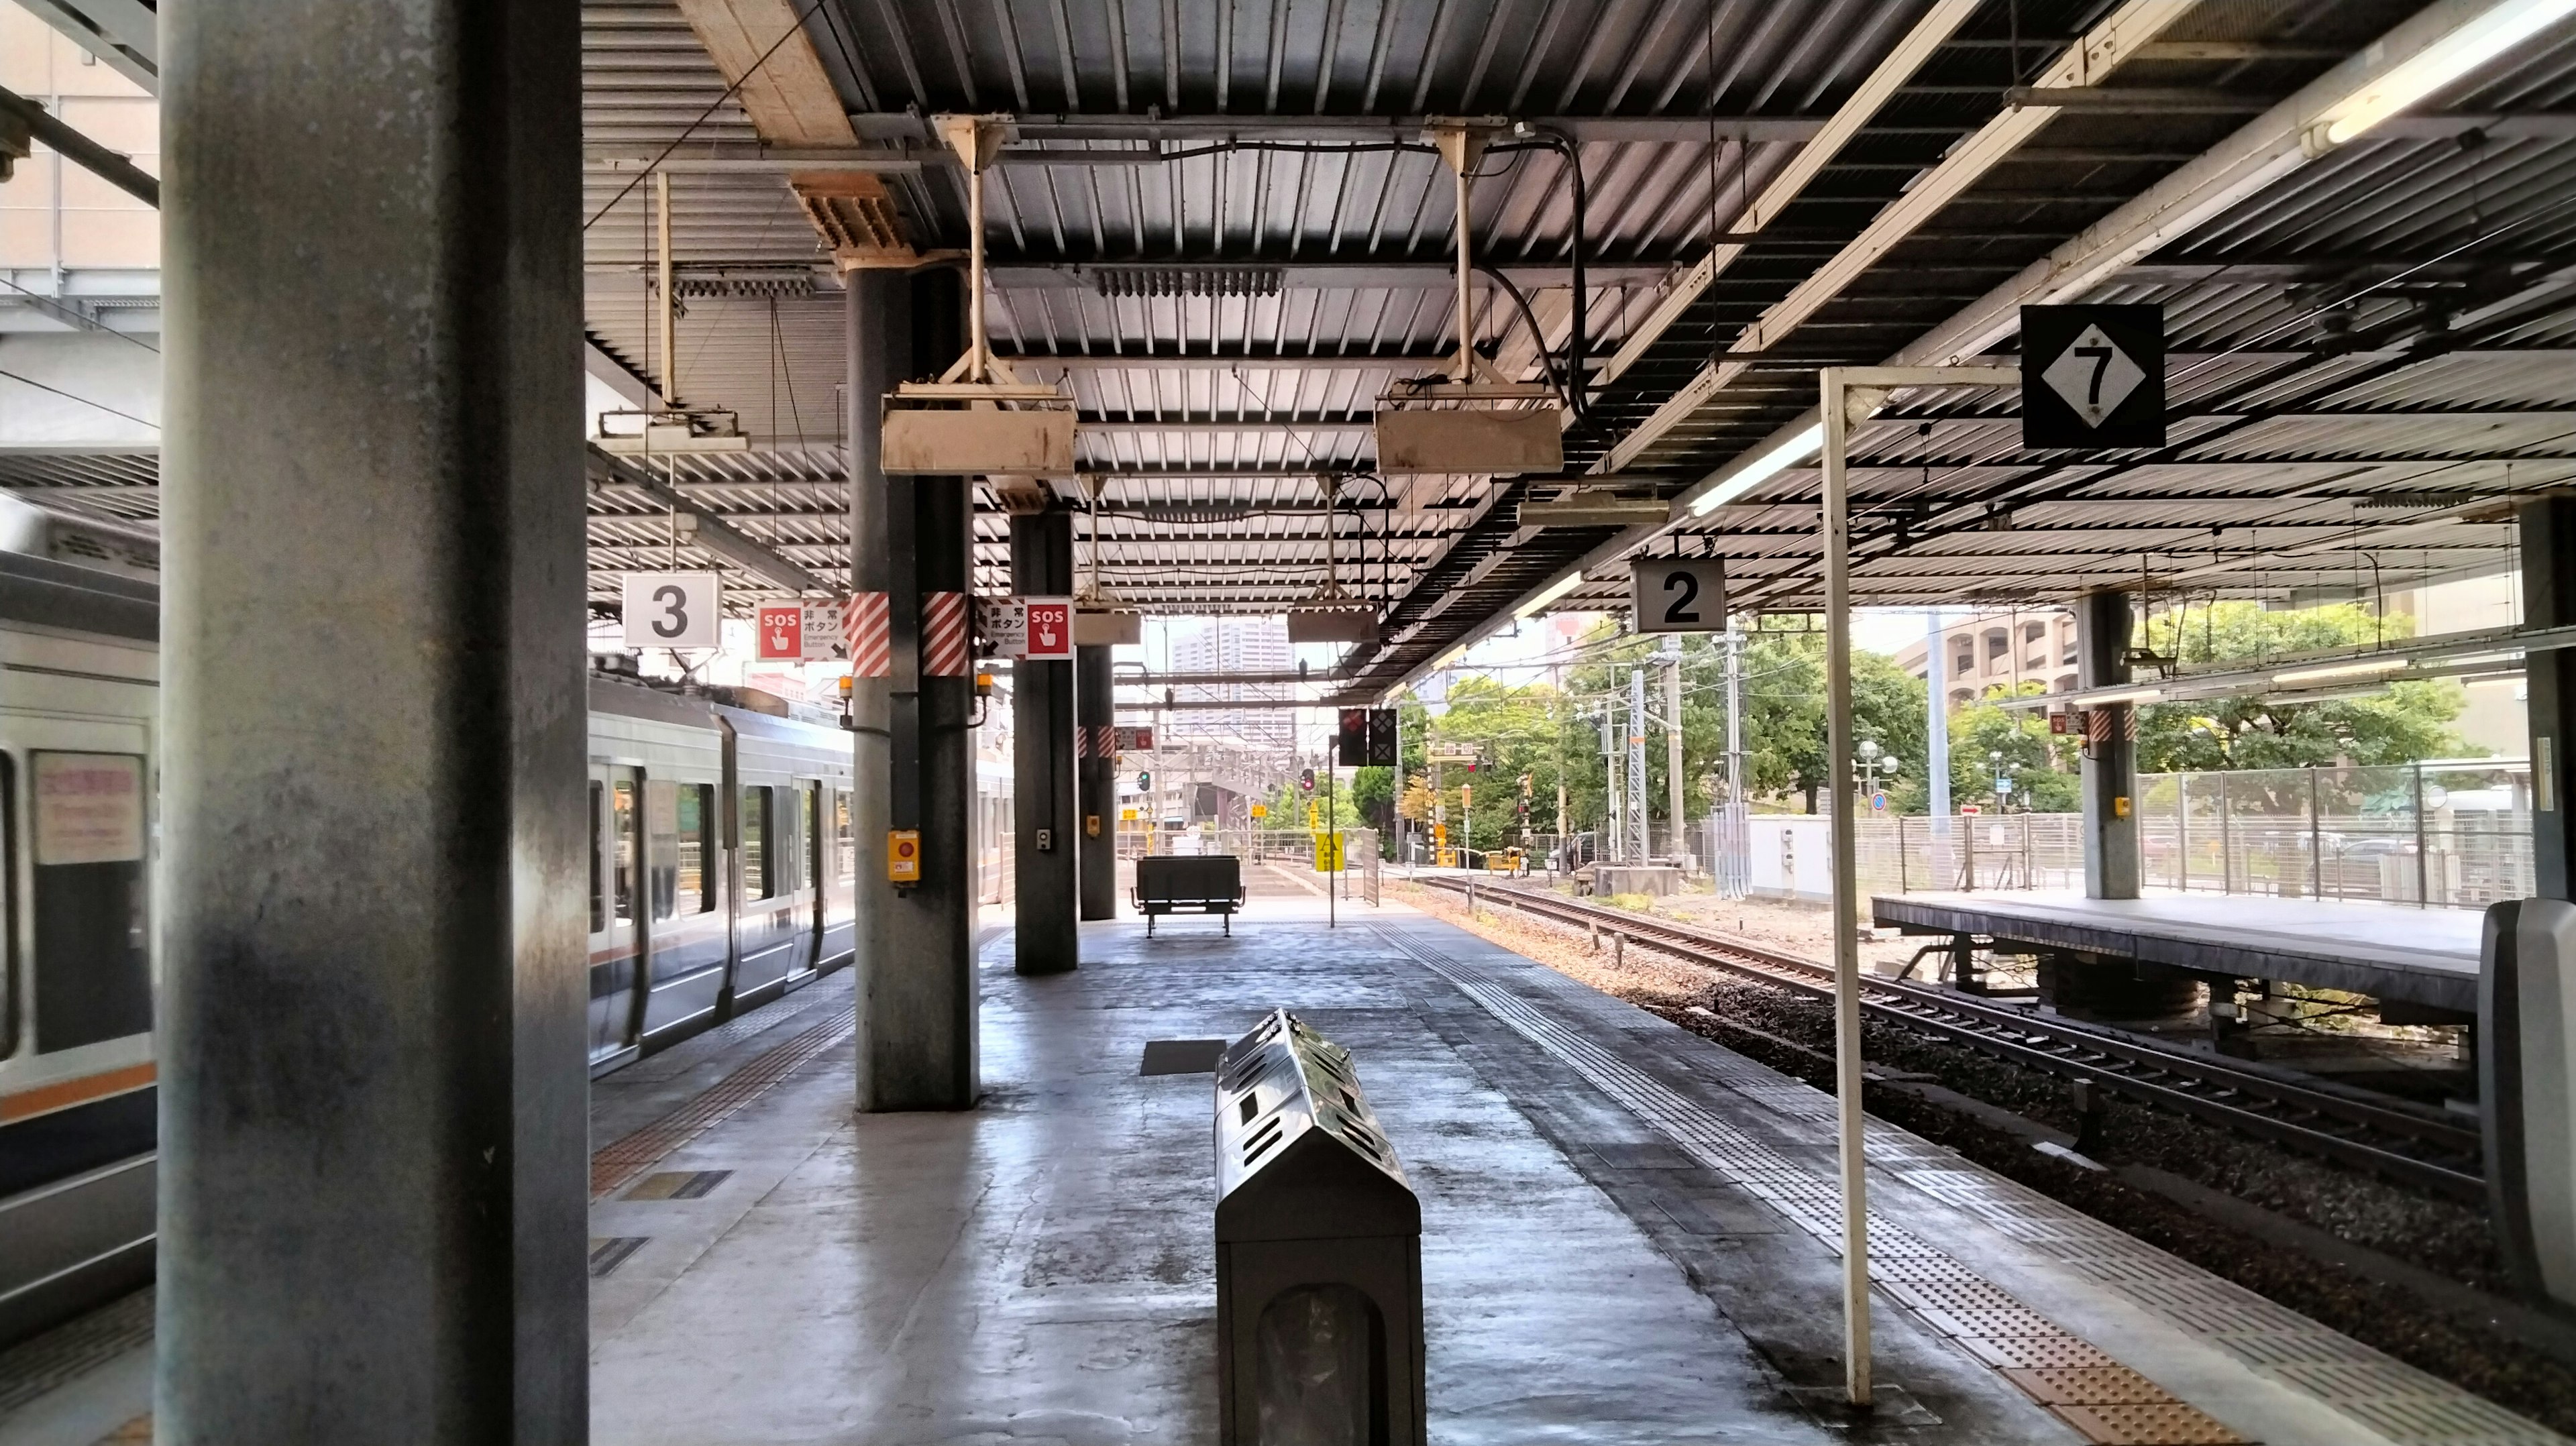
1126,815
1261,810
1328,853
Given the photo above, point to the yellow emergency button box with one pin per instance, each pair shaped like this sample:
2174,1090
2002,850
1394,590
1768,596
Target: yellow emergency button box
903,856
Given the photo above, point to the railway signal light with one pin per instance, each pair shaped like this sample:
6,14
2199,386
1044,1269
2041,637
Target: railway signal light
1144,778
1306,781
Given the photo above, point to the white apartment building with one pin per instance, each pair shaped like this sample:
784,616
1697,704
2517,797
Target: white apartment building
1234,645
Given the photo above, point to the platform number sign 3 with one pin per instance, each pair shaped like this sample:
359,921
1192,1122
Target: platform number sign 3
1678,594
672,610
2093,376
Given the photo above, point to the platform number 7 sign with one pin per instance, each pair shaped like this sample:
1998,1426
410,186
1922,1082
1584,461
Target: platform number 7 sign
1678,594
2092,376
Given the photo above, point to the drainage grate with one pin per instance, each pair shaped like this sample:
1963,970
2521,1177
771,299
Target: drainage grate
2402,1404
679,1185
609,1252
1181,1056
74,1349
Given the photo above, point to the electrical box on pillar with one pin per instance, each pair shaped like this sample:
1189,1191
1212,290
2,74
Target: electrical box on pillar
1475,420
979,419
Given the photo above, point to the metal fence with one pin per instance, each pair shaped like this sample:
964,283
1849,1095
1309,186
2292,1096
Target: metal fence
2452,833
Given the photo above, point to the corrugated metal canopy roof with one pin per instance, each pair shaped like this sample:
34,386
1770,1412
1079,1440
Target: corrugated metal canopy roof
1220,228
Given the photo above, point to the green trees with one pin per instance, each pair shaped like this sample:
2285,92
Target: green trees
2411,720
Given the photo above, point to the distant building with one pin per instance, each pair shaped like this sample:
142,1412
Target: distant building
1234,645
2001,651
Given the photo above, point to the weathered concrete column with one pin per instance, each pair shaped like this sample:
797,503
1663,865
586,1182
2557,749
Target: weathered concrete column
1044,824
374,1120
1097,789
2549,601
2102,625
916,984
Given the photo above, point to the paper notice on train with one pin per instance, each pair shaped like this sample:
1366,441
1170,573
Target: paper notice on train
89,808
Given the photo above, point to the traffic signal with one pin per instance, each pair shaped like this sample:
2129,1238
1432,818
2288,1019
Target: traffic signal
1306,781
1144,778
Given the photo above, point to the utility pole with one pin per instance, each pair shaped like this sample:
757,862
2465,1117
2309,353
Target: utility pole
1556,701
1614,806
1738,824
1641,832
1673,742
1936,714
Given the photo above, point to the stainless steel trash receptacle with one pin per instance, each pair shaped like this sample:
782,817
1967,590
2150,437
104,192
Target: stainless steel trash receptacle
1318,1252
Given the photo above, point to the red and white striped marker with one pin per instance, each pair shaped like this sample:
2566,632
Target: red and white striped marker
864,632
943,635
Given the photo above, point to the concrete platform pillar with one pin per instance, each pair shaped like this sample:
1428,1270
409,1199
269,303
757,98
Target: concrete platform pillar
1097,788
916,981
1044,824
2102,628
374,1127
2549,601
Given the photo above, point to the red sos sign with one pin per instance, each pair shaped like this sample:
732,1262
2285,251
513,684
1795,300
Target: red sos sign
782,631
1050,628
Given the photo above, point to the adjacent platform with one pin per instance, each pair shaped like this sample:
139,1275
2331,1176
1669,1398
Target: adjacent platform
2387,951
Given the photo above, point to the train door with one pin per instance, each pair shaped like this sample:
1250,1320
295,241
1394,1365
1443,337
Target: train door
616,888
818,874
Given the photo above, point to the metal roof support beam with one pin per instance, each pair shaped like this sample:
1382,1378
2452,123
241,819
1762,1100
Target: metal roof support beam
125,34
2101,52
1134,129
1919,45
2272,145
711,532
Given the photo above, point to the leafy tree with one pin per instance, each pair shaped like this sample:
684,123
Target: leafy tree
2046,768
2410,721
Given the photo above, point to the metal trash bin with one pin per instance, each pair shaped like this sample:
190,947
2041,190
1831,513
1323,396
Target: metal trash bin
1318,1252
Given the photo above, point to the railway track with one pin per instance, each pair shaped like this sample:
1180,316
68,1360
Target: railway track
2386,1138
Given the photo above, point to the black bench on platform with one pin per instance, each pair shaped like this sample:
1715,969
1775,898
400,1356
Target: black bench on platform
1188,884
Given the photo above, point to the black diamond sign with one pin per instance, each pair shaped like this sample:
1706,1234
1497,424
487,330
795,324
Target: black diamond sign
2092,376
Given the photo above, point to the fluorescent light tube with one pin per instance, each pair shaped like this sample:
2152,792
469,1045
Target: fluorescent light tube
2131,695
2472,44
2341,670
1555,590
1767,466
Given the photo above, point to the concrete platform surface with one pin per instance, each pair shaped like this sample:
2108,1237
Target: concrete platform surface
2388,951
1630,1236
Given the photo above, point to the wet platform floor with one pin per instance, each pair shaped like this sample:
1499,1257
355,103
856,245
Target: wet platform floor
1629,1236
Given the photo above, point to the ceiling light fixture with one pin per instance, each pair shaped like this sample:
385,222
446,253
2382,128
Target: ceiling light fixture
1550,593
2464,49
1767,466
2341,670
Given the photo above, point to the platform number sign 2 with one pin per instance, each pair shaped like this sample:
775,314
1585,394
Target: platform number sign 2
2092,376
672,610
1678,594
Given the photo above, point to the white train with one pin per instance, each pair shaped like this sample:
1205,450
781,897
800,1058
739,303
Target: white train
722,876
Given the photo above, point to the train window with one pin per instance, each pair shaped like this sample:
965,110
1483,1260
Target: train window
696,819
93,967
756,882
845,851
662,846
598,874
621,839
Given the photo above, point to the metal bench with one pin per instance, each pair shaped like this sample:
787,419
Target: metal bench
1185,884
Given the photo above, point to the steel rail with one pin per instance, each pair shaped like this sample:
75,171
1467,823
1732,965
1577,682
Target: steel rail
2347,1130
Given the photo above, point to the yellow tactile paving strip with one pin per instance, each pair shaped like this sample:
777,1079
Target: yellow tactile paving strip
622,1160
2110,1403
